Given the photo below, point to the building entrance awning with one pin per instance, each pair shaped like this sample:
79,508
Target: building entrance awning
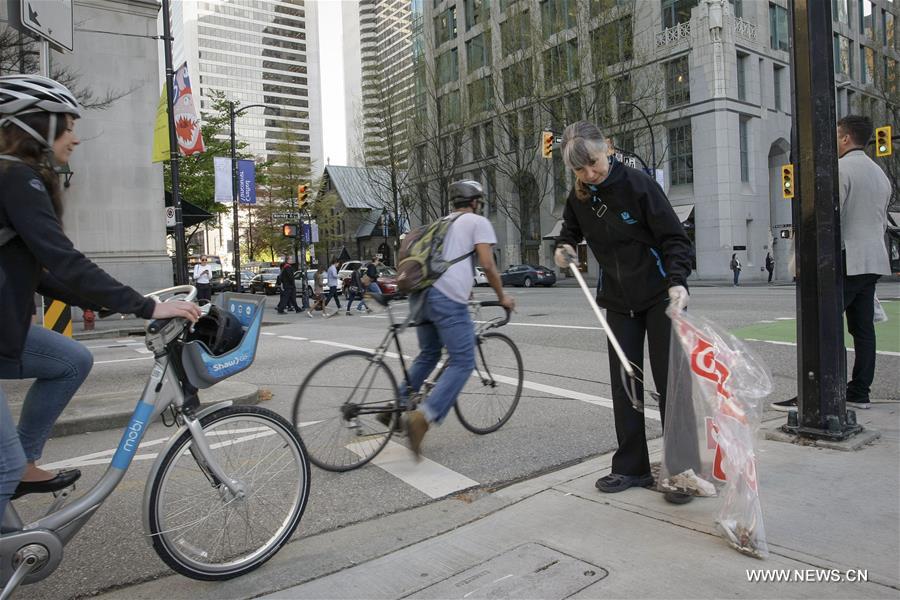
191,214
684,211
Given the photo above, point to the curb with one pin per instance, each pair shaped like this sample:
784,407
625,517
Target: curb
107,333
247,394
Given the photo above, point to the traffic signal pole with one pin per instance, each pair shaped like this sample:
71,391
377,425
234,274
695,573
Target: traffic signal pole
821,356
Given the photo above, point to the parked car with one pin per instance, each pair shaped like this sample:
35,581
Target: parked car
387,280
246,276
310,282
265,282
480,277
346,270
528,275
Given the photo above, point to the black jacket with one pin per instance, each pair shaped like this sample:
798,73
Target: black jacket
286,277
636,267
41,246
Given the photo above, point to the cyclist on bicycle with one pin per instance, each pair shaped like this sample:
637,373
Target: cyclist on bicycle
37,117
445,312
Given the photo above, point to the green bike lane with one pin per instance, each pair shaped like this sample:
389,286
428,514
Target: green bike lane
784,330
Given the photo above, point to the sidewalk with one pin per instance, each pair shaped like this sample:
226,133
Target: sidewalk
556,536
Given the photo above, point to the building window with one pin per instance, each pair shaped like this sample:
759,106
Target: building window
445,26
556,15
842,62
778,27
561,63
477,11
839,12
742,76
738,8
866,20
599,7
448,67
676,11
777,77
513,31
887,30
481,95
512,131
478,51
678,85
476,143
448,107
488,132
623,91
745,161
681,163
518,81
612,43
890,75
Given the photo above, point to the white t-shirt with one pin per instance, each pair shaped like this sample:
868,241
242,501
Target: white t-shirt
467,230
202,273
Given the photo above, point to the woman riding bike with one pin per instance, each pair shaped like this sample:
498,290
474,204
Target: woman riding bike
37,117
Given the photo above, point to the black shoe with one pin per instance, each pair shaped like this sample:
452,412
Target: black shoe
785,405
280,312
62,480
614,482
677,497
385,419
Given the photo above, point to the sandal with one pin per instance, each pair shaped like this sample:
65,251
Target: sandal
614,482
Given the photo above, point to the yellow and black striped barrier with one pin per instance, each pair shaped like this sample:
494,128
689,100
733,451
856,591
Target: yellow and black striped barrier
58,316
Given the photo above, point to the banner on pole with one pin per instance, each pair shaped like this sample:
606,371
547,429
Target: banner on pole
246,182
222,170
187,121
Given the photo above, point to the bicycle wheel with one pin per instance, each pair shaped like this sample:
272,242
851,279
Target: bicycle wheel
344,410
492,393
204,531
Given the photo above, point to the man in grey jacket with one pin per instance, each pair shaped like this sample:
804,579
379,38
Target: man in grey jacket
864,195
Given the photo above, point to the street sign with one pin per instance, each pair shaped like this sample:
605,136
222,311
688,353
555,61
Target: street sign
286,216
51,20
170,216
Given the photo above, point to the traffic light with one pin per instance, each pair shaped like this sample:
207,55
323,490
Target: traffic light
787,181
302,194
290,230
547,144
786,234
883,146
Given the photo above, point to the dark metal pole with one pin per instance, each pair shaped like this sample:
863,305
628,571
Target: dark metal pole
180,254
234,202
821,356
652,137
302,262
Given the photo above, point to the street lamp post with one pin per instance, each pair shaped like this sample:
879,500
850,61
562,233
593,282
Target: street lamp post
652,139
233,113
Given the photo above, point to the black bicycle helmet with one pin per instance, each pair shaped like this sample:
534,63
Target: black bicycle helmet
219,330
464,191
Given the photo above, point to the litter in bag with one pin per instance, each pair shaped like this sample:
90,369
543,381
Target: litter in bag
713,410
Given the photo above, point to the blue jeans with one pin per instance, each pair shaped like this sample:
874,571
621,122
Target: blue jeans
374,289
59,365
333,293
449,325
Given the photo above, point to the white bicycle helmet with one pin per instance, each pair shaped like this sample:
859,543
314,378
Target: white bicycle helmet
26,94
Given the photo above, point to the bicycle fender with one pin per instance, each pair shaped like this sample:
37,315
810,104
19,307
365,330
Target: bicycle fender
145,512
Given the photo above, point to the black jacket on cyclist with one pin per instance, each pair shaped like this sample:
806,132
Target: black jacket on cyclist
42,258
634,275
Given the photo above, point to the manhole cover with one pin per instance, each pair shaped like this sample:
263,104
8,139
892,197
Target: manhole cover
527,571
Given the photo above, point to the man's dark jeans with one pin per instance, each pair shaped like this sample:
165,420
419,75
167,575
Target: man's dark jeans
859,305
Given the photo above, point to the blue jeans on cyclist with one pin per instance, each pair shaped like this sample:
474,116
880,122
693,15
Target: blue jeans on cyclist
447,325
59,365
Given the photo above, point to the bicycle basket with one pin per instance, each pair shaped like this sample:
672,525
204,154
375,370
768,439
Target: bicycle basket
207,358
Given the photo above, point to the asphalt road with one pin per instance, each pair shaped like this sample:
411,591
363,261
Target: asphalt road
565,359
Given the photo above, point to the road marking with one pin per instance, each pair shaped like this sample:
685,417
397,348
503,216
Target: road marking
118,360
883,352
268,333
551,325
785,318
293,337
427,476
143,350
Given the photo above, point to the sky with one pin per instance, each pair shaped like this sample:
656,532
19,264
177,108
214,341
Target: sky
331,69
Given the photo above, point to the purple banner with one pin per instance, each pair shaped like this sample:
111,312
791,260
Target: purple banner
246,182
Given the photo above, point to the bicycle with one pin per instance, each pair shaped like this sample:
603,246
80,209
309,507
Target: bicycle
215,506
347,419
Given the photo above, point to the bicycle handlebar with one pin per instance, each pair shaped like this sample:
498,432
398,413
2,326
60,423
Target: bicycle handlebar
489,303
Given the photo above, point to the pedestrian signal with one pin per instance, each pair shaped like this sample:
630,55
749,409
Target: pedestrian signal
786,234
787,181
290,230
883,145
302,194
547,144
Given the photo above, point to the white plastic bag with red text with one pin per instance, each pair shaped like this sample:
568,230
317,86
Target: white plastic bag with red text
713,410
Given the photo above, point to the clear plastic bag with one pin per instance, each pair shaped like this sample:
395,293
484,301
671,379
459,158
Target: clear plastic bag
713,409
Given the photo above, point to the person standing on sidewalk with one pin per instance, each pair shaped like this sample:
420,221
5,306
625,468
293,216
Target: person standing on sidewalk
770,265
202,275
645,259
446,322
736,267
333,283
37,120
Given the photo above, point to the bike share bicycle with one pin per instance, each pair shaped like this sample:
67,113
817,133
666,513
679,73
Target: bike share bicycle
226,491
349,405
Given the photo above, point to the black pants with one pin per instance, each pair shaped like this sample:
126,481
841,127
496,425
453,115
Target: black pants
288,300
204,292
333,293
859,304
631,457
771,272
